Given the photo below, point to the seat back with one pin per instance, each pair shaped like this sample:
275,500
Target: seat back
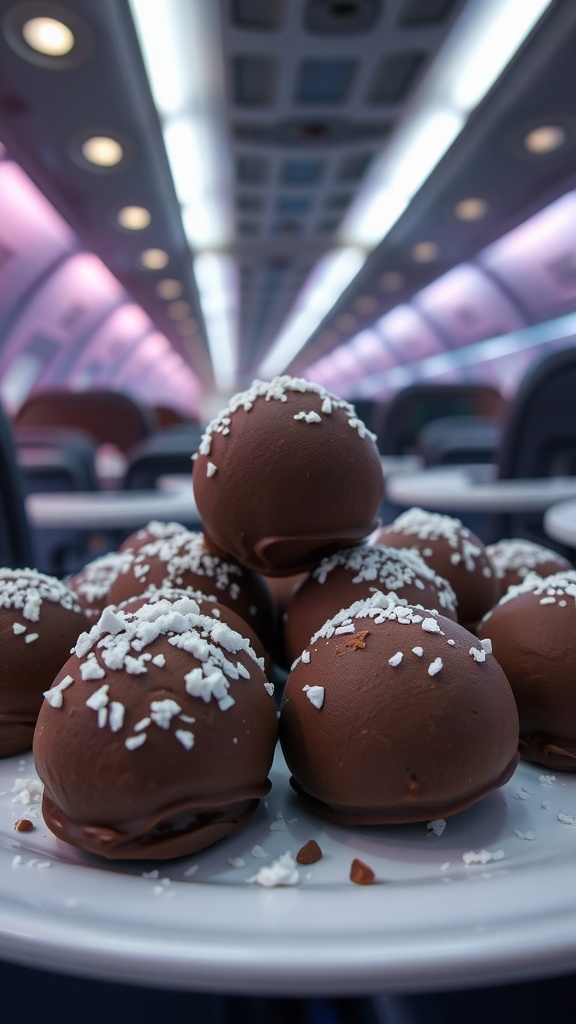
458,440
109,417
56,459
410,409
539,436
16,550
169,451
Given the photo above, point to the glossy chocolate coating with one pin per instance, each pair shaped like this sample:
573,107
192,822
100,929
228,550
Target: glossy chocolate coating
533,634
384,720
172,750
454,552
40,619
352,575
286,475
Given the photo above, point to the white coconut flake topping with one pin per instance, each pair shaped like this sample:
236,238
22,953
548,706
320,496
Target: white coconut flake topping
282,871
54,695
315,695
395,659
435,667
277,391
477,653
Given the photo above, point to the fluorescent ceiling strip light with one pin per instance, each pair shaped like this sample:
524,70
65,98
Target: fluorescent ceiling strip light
178,42
324,286
483,41
481,44
216,277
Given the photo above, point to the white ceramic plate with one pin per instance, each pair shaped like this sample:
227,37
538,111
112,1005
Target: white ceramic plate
430,921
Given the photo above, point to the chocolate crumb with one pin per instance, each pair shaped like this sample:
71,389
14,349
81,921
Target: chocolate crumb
360,873
355,643
23,825
309,853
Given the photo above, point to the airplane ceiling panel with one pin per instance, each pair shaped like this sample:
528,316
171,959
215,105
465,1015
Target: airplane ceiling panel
537,261
33,239
465,305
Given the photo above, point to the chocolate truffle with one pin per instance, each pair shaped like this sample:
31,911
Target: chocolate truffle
157,735
352,575
454,552
92,583
513,559
286,474
40,620
533,634
394,714
183,561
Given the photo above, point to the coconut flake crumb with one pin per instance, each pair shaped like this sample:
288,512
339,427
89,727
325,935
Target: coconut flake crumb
430,625
54,695
210,469
28,791
315,695
279,824
237,862
259,852
282,871
436,827
482,856
525,835
435,667
418,651
546,780
135,741
566,818
185,737
395,659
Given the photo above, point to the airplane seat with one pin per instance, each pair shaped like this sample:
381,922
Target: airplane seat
109,417
411,408
57,459
16,545
167,417
539,439
168,452
458,440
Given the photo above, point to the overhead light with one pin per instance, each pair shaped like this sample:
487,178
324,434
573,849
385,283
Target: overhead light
154,259
178,47
216,277
178,309
545,139
134,218
328,280
471,209
169,288
102,151
424,252
391,281
483,41
48,36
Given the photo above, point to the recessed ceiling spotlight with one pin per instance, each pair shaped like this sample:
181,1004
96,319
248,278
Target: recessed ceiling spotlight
154,259
178,309
365,304
424,252
471,209
545,139
346,322
102,151
187,328
133,218
169,288
391,281
48,36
